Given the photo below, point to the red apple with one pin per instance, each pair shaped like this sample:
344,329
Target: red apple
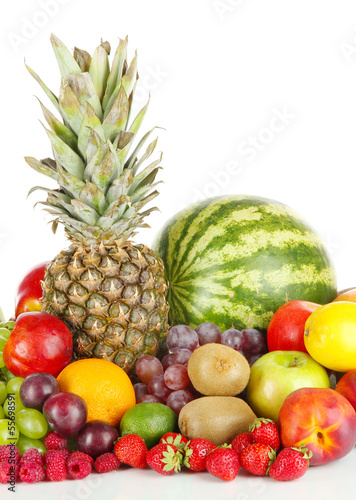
347,387
322,419
286,329
39,342
29,291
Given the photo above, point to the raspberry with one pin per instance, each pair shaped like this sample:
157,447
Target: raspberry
107,463
56,455
56,470
78,467
54,441
32,472
83,455
55,461
7,451
31,455
6,470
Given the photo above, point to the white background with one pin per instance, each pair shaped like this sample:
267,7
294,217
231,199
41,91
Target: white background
218,72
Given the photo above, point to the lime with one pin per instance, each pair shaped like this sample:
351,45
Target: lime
150,421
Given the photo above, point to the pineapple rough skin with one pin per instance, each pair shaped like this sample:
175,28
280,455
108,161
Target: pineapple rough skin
113,299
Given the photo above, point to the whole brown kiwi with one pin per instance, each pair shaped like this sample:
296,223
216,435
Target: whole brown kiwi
218,370
216,418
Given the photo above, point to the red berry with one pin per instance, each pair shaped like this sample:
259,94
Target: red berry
291,463
240,442
174,438
223,463
7,470
196,452
106,463
32,472
55,455
164,458
81,454
8,452
54,441
257,457
131,450
78,467
31,455
56,470
265,431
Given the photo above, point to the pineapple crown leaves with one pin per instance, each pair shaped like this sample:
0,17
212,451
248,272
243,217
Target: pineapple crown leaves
102,187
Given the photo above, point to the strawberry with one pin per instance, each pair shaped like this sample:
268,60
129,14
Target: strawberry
290,463
131,450
265,431
195,453
223,463
165,458
241,441
174,438
257,457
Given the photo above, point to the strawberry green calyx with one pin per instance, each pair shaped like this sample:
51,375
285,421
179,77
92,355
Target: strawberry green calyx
259,421
176,441
272,457
172,459
307,454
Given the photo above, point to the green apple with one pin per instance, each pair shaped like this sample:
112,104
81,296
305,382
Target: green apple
278,373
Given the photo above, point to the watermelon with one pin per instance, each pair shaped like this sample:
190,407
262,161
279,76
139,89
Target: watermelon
237,259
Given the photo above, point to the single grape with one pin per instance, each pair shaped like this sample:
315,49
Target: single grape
2,413
9,433
254,342
13,386
167,361
66,413
233,338
158,388
181,356
97,438
149,398
31,423
177,399
140,390
36,388
147,367
176,377
3,392
12,405
208,332
182,337
254,358
24,443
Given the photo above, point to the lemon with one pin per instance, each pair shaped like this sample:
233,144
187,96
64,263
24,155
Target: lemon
330,336
150,421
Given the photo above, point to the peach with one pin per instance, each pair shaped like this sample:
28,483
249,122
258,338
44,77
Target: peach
322,419
347,387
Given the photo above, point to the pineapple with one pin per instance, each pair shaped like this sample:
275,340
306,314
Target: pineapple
110,291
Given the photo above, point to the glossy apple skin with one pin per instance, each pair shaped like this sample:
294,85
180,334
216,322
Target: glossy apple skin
39,342
347,387
29,291
285,331
277,374
322,419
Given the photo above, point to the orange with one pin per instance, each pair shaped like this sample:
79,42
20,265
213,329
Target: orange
104,386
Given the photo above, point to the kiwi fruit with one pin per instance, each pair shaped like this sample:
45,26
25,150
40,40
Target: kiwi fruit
216,418
218,370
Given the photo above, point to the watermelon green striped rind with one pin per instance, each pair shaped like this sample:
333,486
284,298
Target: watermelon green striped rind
237,259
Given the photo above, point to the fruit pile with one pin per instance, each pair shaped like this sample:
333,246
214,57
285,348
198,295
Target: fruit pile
258,368
168,381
